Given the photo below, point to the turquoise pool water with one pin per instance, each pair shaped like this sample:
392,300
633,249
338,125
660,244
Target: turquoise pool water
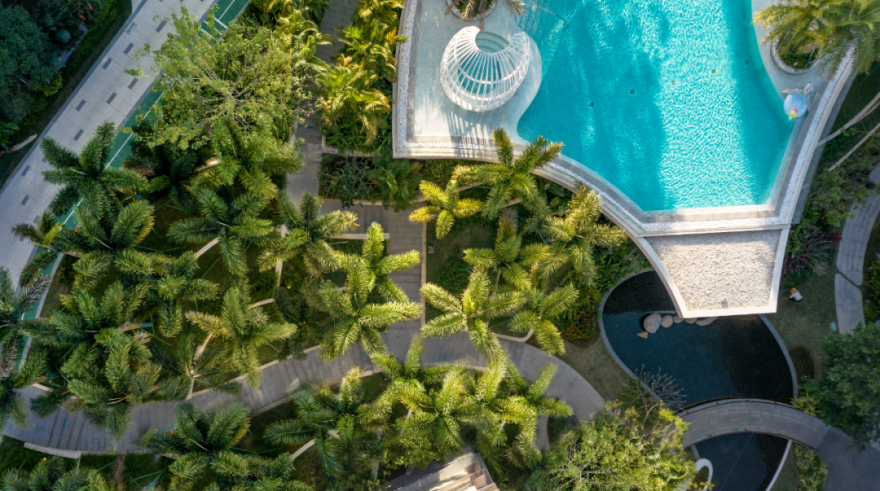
667,100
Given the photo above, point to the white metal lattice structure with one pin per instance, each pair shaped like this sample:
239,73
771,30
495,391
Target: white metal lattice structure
479,79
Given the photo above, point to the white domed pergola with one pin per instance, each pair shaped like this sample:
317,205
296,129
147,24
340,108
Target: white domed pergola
480,71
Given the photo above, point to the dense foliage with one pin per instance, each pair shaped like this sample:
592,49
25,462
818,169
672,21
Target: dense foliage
811,469
835,27
847,396
635,444
246,76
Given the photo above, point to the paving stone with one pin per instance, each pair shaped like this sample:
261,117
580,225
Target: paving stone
848,299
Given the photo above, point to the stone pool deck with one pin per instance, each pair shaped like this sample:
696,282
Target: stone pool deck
739,251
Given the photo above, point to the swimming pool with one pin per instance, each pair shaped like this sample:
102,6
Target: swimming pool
667,100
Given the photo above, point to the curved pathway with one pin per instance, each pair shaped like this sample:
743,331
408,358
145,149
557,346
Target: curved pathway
851,259
848,469
68,434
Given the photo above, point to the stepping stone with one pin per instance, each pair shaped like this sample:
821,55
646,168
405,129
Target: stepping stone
651,323
706,321
666,321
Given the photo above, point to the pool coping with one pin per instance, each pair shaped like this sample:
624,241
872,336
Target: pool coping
567,172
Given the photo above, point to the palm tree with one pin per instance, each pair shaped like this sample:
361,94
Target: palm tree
50,474
308,231
472,312
44,234
380,10
198,438
432,430
576,234
348,93
524,405
541,308
107,378
509,257
86,177
172,279
11,404
836,27
227,219
397,180
511,178
380,265
372,43
254,473
356,319
169,171
13,306
210,367
343,428
243,330
117,229
410,371
444,206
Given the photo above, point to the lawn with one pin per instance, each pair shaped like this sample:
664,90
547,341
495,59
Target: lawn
595,364
787,480
803,325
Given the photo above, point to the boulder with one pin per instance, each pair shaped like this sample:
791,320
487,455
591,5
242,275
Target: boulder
666,321
677,319
651,323
706,321
690,321
642,335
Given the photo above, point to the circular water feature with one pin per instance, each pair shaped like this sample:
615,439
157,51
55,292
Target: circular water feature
733,357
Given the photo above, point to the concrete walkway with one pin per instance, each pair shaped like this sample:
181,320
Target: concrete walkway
107,93
848,469
851,260
71,434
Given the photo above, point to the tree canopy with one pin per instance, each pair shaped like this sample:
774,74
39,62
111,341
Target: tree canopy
245,75
25,54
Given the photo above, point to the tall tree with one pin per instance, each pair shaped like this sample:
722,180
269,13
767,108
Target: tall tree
198,439
245,75
835,27
242,329
472,312
410,371
169,170
27,55
50,474
575,235
308,231
116,230
433,428
343,427
444,206
86,177
188,365
254,473
380,265
171,279
356,317
631,446
511,260
511,178
11,403
13,305
538,315
849,392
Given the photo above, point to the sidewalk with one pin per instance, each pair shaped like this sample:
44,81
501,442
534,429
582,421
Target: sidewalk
107,93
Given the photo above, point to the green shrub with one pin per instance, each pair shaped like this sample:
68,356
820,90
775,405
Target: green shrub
346,179
454,276
440,171
811,469
872,295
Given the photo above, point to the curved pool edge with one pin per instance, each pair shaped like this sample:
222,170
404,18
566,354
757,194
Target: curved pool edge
571,173
629,372
632,375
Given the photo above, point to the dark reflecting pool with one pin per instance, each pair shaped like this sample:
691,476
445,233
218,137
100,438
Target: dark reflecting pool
733,357
743,461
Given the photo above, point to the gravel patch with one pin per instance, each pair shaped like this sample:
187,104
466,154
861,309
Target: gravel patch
723,270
